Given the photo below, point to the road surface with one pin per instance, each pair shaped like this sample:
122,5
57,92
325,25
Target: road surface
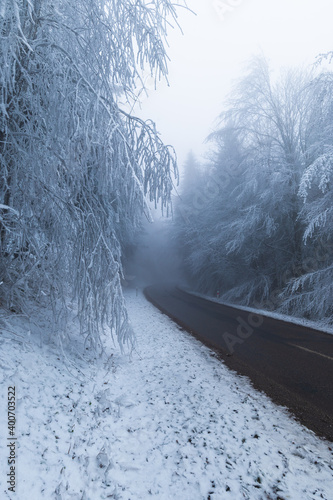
292,364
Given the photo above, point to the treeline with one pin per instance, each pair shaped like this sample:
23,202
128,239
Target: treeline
256,221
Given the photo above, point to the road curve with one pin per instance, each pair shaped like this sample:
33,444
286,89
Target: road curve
292,364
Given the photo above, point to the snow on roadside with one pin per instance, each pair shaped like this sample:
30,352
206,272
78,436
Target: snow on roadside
171,422
321,326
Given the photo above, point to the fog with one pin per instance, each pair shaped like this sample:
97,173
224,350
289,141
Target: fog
156,258
206,60
213,51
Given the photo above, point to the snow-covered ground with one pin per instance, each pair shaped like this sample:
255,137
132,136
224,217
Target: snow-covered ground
172,422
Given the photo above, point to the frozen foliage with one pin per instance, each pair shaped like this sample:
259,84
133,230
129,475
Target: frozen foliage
76,166
311,292
311,295
257,224
320,211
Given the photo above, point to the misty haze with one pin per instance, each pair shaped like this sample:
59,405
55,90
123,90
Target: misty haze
166,233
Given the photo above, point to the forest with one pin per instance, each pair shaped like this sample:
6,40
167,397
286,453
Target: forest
118,380
80,172
254,221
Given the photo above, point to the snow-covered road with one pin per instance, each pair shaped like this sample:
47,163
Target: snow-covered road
170,423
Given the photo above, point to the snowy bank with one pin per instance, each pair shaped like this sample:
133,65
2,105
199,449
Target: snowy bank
321,326
171,422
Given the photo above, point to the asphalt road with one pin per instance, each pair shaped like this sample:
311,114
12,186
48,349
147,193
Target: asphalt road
292,364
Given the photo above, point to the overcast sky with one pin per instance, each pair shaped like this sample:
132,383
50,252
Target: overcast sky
213,50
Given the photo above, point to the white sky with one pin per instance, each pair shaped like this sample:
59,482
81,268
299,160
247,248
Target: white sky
213,50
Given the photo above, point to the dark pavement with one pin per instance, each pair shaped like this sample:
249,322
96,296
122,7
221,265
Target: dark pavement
292,364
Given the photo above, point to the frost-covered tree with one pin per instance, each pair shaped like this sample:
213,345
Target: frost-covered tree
247,239
76,167
189,208
275,118
200,220
311,293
